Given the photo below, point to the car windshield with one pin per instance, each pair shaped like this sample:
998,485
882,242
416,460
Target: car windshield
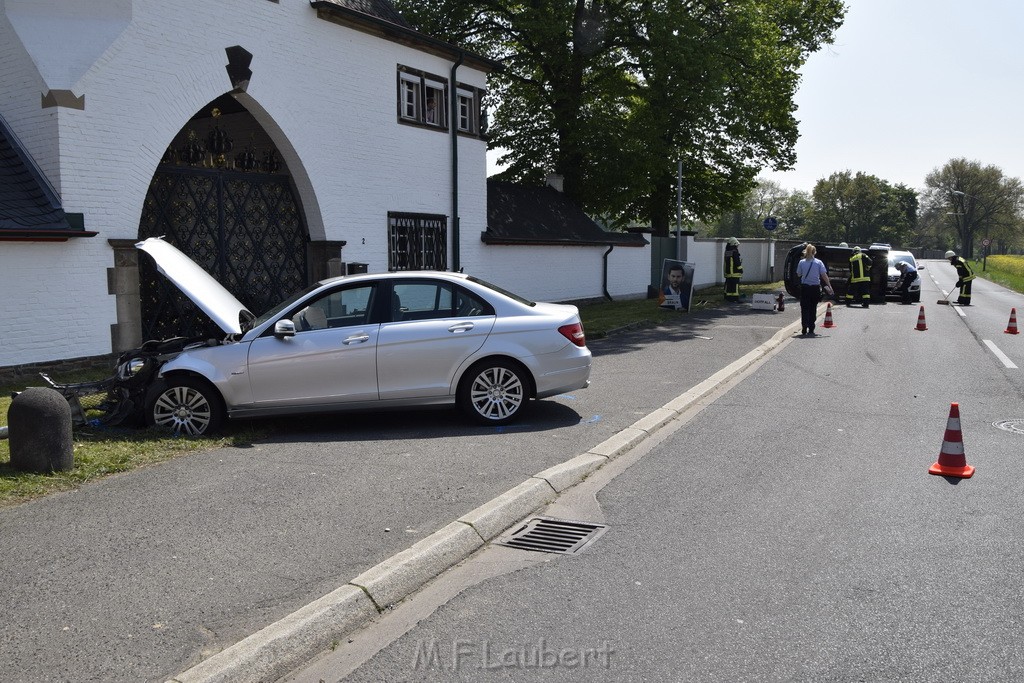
278,309
499,290
909,258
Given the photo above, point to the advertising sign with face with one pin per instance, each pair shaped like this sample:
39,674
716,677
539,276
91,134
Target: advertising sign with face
676,289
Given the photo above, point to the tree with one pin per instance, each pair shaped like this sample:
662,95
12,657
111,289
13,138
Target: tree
793,214
860,209
974,200
613,95
767,198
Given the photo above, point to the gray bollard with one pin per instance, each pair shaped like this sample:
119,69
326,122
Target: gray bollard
39,430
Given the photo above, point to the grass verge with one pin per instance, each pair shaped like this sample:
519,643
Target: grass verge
100,453
1005,270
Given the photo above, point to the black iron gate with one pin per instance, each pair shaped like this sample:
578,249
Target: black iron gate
245,229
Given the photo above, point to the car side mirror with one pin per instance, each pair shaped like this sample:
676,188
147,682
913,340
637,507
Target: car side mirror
284,328
920,267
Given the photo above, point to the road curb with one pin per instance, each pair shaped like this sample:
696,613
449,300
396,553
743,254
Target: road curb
398,576
571,472
284,645
498,514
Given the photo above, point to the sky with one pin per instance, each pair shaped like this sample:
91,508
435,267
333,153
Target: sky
908,85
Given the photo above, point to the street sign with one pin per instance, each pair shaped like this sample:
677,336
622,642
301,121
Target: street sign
985,242
770,223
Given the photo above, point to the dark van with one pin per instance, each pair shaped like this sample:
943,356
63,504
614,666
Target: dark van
837,263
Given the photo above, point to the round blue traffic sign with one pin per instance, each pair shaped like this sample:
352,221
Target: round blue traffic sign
770,223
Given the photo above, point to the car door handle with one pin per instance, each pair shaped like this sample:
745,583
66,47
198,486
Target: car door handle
356,339
460,327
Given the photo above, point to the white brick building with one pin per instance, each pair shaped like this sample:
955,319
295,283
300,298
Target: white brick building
330,103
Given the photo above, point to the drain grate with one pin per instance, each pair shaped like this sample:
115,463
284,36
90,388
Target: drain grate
1015,426
551,535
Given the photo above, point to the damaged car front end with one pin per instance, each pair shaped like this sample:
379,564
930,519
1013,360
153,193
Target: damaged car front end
124,397
121,398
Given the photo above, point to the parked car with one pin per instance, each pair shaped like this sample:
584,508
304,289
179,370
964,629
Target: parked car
392,340
893,276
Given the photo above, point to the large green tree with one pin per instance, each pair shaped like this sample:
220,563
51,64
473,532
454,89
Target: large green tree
860,209
966,200
615,95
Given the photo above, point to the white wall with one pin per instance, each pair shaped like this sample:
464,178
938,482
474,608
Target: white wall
708,257
565,273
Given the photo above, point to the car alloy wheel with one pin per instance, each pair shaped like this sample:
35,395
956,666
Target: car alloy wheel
186,406
493,392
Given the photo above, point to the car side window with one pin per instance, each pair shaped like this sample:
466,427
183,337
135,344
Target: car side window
338,308
469,304
428,300
421,300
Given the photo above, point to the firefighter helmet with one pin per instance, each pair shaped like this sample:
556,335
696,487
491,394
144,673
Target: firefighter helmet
733,242
950,254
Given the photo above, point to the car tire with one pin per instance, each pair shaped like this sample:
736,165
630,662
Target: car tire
494,392
917,298
185,405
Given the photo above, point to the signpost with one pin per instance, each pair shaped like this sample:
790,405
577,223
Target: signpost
770,224
984,259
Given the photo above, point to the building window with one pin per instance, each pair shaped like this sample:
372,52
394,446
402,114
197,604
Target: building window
469,119
433,106
409,92
422,98
417,241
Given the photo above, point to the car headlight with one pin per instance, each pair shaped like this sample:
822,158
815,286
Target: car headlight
130,368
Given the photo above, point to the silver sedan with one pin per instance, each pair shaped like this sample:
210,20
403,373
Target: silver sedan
389,340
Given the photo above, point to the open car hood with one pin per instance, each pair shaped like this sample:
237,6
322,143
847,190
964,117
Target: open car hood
198,285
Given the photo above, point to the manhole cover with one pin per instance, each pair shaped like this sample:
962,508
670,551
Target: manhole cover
1016,426
550,535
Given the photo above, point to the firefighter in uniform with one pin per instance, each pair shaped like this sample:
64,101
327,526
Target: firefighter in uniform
965,273
733,269
859,289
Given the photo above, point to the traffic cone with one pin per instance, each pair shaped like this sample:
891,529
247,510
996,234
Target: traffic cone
921,326
952,462
828,317
1011,328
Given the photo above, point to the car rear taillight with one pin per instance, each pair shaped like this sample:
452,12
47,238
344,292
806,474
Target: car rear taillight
574,333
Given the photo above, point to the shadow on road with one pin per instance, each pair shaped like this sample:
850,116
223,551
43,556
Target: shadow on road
424,423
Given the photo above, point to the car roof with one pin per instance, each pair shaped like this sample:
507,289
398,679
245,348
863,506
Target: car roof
402,274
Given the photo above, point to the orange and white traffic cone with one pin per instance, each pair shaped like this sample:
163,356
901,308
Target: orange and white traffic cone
920,321
1011,328
952,462
828,317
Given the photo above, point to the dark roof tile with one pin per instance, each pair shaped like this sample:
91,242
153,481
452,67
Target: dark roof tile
523,214
381,9
27,202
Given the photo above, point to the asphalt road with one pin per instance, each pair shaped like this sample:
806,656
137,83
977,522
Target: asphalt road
787,531
144,574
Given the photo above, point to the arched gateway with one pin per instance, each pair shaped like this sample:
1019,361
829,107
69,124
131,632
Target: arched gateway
223,195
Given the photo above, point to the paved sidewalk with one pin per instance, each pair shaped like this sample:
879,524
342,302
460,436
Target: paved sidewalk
267,554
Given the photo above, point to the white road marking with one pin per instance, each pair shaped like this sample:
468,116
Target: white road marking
999,354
